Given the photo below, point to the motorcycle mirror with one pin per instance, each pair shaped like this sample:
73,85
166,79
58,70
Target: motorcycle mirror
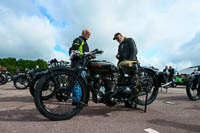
94,50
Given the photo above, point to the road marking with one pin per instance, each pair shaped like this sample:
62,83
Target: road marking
170,102
149,130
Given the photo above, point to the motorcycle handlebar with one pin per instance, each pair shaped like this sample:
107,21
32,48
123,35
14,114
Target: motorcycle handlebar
99,52
96,51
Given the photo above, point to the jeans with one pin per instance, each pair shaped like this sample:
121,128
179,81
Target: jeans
77,90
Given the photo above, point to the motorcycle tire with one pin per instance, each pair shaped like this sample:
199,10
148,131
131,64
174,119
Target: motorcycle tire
193,94
64,96
32,86
152,93
21,79
3,79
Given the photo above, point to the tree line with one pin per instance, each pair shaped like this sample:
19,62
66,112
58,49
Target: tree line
12,64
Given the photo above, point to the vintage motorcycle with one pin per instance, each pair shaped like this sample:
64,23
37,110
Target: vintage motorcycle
107,83
193,85
23,80
5,77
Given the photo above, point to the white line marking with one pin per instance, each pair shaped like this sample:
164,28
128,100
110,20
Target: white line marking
149,130
170,102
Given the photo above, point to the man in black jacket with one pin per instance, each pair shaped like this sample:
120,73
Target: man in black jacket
79,44
127,55
127,49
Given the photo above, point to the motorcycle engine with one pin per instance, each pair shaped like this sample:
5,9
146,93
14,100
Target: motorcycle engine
125,92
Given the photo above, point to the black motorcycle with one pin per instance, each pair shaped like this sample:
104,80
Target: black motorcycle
124,84
5,77
193,86
23,80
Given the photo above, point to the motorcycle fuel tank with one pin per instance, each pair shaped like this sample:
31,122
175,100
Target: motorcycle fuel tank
102,66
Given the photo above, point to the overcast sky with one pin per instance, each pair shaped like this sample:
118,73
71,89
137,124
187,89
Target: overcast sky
166,32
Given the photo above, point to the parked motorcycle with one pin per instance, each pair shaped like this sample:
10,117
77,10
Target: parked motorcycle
23,80
5,77
127,84
193,86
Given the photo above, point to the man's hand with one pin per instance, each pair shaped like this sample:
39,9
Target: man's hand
117,56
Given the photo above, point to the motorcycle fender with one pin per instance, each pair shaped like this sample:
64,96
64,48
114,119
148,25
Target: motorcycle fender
72,70
155,75
66,69
40,74
20,75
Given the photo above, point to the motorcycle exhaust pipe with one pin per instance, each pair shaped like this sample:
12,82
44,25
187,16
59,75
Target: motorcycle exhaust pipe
166,84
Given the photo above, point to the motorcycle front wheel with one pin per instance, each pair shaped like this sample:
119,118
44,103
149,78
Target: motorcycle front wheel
192,93
59,104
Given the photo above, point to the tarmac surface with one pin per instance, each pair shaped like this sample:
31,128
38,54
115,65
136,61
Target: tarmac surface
171,112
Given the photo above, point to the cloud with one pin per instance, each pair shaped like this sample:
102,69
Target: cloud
161,29
26,37
59,56
189,51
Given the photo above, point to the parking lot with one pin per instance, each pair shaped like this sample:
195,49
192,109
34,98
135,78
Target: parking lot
171,112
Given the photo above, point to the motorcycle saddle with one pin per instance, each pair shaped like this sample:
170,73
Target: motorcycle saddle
128,63
128,66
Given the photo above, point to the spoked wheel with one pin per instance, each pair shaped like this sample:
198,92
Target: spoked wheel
192,91
21,82
148,85
55,102
3,79
48,87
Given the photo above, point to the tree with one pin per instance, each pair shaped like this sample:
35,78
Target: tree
12,64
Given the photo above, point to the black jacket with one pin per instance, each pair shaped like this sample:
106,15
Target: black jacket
127,50
76,46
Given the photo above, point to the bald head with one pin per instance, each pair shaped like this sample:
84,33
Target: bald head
86,34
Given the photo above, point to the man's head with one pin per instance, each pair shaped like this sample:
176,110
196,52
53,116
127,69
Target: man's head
86,34
119,37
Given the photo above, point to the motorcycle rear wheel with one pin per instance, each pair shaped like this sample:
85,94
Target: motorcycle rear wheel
152,89
3,79
21,82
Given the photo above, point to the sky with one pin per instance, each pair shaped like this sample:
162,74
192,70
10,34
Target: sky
166,32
